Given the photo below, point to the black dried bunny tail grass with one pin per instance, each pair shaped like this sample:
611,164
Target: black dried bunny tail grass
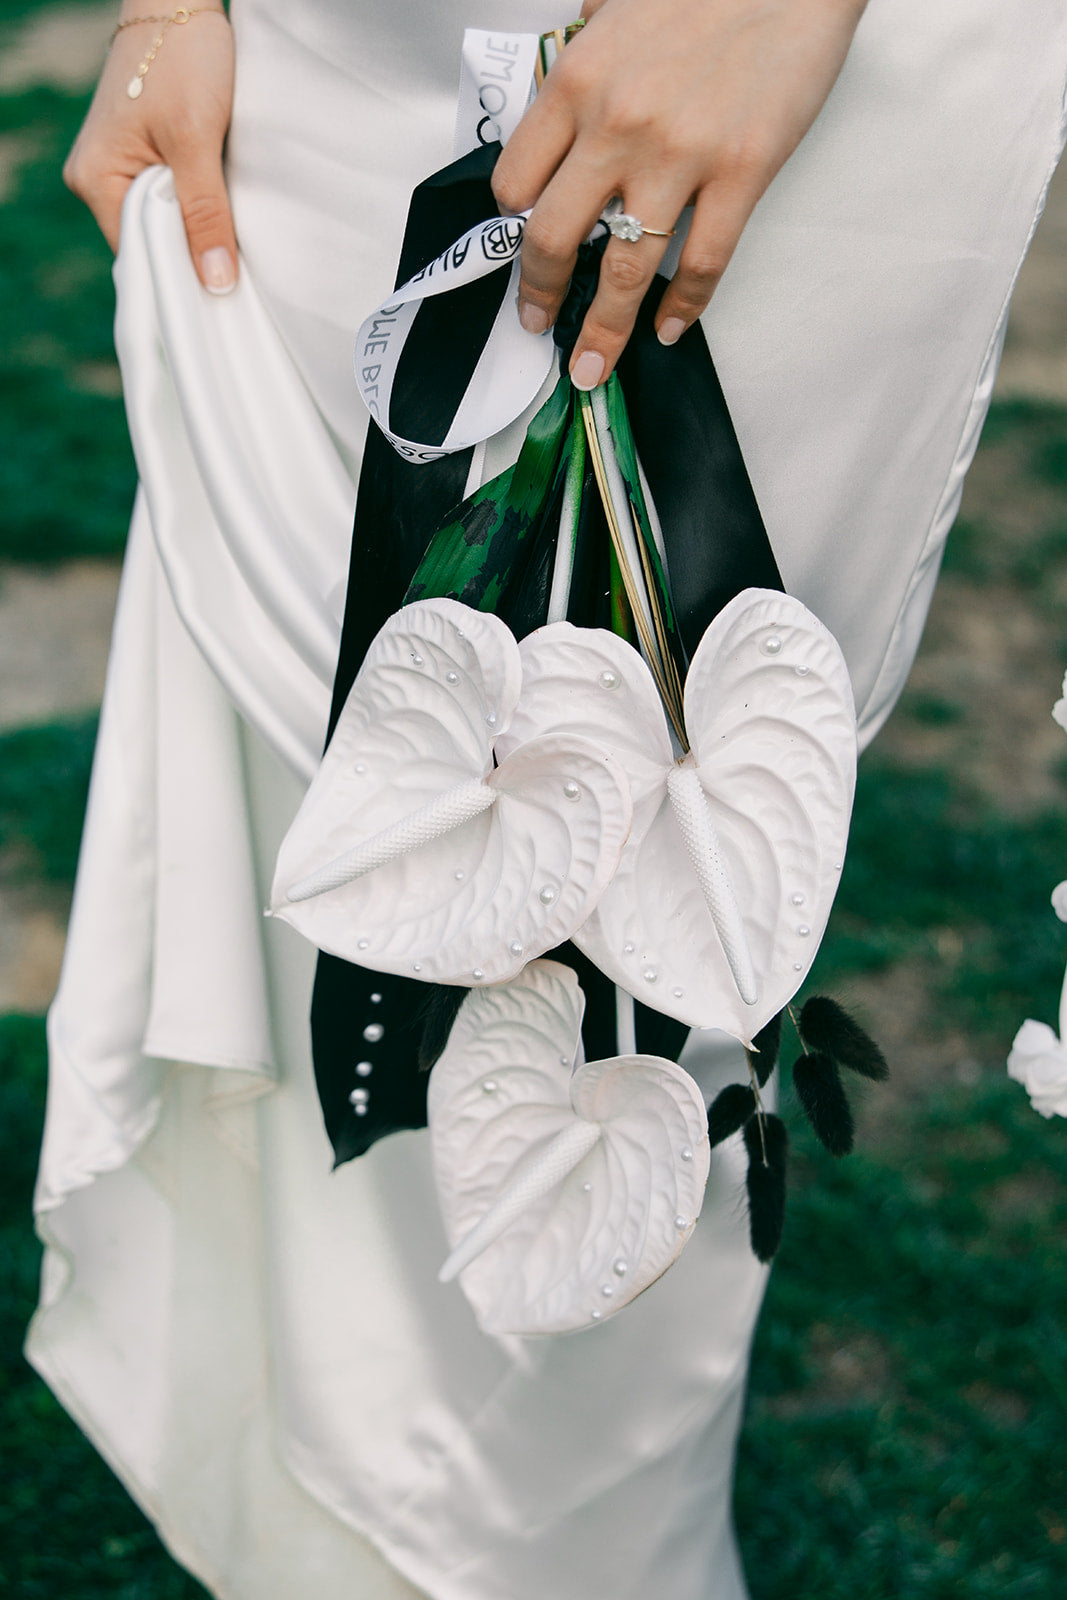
764,1058
729,1111
821,1093
767,1147
827,1028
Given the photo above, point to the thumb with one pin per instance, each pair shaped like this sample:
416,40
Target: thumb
205,205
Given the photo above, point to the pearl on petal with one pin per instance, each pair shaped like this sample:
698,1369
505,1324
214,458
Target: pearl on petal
596,1315
687,1154
650,975
416,966
621,1268
451,677
678,993
477,974
361,767
798,966
373,1032
571,790
547,894
490,720
515,947
803,930
802,669
681,1222
364,944
364,1069
416,660
607,1291
587,1188
459,874
628,949
608,679
490,1086
771,645
796,899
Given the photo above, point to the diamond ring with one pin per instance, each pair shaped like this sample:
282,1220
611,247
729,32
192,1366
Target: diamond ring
624,226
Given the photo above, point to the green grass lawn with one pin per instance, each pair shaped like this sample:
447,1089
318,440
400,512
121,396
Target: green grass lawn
906,1433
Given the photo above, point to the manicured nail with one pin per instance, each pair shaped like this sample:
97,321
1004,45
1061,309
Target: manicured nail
670,330
587,370
533,318
216,270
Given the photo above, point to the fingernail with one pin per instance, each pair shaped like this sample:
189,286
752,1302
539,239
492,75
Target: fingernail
216,270
670,330
587,370
533,318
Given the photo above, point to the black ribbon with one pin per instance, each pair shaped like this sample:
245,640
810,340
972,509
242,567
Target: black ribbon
715,542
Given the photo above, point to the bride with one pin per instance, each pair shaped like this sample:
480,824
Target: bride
259,1347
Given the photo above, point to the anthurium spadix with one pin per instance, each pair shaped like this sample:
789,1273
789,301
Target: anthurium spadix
725,884
566,1187
412,852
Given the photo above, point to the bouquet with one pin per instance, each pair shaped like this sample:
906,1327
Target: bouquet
587,785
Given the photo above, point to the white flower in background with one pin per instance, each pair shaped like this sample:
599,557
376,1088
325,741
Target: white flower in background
1059,710
1059,900
1039,1062
1038,1058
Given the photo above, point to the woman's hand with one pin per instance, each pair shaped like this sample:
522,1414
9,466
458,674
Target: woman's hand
179,119
662,103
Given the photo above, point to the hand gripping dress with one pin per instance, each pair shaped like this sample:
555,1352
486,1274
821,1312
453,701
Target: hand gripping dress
259,1348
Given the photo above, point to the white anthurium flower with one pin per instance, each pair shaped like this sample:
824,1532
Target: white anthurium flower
1038,1061
412,853
566,1188
720,900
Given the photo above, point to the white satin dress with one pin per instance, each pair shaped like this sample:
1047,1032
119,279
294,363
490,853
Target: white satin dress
259,1347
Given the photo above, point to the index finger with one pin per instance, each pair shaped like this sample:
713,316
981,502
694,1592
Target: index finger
561,219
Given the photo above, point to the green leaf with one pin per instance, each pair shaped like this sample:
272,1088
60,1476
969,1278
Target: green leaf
475,554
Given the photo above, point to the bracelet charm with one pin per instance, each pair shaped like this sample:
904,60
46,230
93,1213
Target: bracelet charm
136,84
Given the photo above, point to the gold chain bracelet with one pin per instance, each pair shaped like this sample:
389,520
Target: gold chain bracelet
179,18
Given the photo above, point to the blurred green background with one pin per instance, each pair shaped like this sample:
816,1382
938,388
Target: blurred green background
906,1432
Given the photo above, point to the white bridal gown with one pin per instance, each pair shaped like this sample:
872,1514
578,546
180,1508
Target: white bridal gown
258,1347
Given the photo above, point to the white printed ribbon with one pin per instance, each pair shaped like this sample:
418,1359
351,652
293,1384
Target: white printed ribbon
495,89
